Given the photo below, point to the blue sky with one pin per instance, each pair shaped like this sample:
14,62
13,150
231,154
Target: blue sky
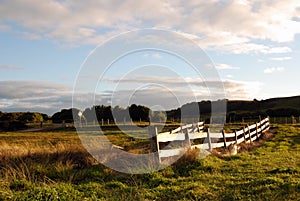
254,45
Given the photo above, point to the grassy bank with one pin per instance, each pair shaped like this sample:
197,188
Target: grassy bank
54,166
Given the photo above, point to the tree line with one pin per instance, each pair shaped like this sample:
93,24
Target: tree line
236,111
108,113
19,120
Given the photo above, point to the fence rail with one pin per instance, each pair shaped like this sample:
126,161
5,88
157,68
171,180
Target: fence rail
185,134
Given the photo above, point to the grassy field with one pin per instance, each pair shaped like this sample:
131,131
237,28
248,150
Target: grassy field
55,166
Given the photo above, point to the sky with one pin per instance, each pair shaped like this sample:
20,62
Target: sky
46,48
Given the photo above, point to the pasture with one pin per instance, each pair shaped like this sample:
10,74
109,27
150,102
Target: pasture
53,165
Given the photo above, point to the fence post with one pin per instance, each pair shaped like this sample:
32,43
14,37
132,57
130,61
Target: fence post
249,134
256,130
187,138
236,140
224,138
209,141
154,144
244,133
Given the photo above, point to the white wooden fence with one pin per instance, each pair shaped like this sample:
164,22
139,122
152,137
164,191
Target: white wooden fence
188,133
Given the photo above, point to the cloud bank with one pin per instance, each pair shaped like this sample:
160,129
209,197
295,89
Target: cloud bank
234,26
50,98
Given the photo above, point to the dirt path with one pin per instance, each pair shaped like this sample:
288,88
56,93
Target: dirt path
40,129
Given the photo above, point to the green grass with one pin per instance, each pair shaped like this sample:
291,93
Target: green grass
54,166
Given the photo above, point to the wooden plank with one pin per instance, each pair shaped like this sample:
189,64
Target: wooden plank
252,126
216,135
240,140
201,123
198,129
228,135
176,130
259,130
186,126
246,129
171,152
240,132
252,134
197,135
170,137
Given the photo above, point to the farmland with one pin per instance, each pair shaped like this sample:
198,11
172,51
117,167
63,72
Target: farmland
53,165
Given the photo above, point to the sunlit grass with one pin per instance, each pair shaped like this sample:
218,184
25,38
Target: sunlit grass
55,166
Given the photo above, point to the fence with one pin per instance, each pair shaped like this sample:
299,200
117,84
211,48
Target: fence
185,134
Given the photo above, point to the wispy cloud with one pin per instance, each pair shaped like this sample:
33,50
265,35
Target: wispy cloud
4,27
280,58
273,70
154,56
49,98
10,68
225,67
231,88
34,96
252,48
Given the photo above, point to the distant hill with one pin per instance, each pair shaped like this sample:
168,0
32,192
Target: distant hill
237,109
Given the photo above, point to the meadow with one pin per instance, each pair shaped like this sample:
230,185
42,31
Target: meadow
53,165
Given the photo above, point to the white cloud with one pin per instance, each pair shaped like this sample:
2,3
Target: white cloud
228,25
261,60
10,68
4,27
156,56
225,67
34,96
170,93
280,58
204,89
145,55
31,36
273,70
246,48
29,89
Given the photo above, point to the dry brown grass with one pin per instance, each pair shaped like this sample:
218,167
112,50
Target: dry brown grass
188,157
34,159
